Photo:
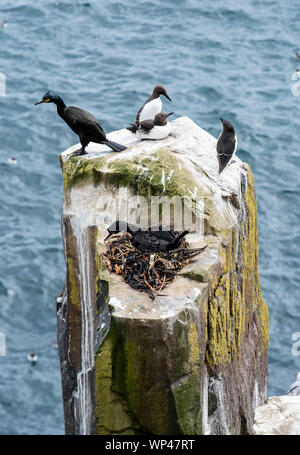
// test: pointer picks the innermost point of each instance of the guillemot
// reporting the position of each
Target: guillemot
(226, 145)
(295, 387)
(159, 128)
(32, 358)
(82, 123)
(155, 238)
(152, 105)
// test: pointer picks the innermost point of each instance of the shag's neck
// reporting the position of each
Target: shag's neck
(132, 229)
(60, 105)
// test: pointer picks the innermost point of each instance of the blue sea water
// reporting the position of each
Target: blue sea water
(222, 58)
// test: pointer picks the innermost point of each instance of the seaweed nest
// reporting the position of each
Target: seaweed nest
(148, 271)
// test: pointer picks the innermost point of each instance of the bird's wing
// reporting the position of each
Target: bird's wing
(133, 127)
(159, 240)
(160, 234)
(141, 108)
(147, 125)
(144, 240)
(79, 119)
(138, 114)
(295, 388)
(226, 146)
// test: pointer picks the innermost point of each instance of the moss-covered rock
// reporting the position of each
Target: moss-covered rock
(193, 361)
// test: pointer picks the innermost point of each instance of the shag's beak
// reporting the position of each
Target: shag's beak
(220, 118)
(106, 238)
(167, 96)
(43, 101)
(171, 113)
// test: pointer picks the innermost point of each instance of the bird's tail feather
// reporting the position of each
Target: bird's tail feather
(133, 127)
(178, 238)
(115, 146)
(221, 168)
(223, 161)
(183, 234)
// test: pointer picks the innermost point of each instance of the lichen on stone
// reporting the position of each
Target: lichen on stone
(74, 294)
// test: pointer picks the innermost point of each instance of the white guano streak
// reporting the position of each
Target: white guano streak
(87, 333)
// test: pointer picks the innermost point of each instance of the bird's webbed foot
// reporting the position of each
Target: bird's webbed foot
(79, 152)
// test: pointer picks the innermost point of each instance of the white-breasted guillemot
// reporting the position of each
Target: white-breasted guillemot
(152, 105)
(158, 128)
(295, 387)
(226, 145)
(32, 358)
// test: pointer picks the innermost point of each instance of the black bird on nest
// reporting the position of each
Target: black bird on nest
(82, 123)
(155, 238)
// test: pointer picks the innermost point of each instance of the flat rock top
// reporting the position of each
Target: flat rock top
(279, 416)
(190, 142)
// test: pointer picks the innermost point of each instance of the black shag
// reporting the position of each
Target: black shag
(154, 238)
(82, 123)
(226, 145)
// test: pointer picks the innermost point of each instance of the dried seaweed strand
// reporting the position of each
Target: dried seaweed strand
(146, 271)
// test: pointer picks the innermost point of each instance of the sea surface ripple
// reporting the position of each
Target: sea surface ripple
(216, 59)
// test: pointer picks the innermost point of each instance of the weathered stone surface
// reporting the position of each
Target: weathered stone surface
(193, 361)
(78, 323)
(279, 416)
